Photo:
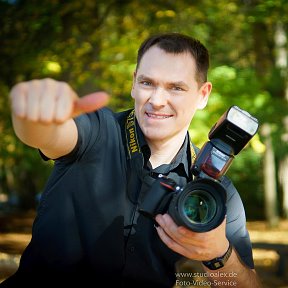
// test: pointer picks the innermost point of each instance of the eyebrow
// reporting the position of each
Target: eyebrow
(143, 77)
(177, 83)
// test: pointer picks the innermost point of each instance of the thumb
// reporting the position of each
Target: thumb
(90, 103)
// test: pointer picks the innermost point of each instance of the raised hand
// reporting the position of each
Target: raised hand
(51, 101)
(42, 112)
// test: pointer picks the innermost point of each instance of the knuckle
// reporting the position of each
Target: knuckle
(61, 116)
(66, 89)
(60, 120)
(49, 81)
(16, 89)
(64, 86)
(35, 82)
(170, 243)
(45, 119)
(32, 118)
(18, 112)
(18, 86)
(200, 253)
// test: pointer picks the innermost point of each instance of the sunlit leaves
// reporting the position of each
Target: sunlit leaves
(93, 45)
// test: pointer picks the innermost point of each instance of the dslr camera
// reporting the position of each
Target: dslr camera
(201, 204)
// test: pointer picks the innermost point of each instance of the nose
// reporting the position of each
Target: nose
(158, 97)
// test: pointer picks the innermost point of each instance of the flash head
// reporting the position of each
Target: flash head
(234, 128)
(243, 120)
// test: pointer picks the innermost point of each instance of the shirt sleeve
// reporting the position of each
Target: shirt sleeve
(88, 128)
(236, 229)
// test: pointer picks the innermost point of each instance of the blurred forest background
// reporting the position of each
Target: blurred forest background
(93, 44)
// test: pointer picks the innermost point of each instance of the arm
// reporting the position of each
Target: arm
(203, 247)
(42, 112)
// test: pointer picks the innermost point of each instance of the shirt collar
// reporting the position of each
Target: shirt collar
(181, 162)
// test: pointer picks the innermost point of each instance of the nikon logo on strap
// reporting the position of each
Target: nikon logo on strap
(131, 135)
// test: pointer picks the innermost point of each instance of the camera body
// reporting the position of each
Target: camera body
(201, 204)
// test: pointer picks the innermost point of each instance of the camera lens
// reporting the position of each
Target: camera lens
(199, 207)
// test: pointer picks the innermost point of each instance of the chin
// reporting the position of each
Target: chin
(155, 135)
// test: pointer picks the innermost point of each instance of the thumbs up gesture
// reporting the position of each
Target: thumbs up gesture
(42, 112)
(51, 101)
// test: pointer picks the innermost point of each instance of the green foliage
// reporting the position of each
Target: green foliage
(93, 45)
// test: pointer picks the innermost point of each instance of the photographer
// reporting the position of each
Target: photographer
(88, 227)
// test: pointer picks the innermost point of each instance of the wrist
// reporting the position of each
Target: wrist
(219, 262)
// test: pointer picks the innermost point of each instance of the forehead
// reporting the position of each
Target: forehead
(158, 63)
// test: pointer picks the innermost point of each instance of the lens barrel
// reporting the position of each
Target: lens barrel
(201, 206)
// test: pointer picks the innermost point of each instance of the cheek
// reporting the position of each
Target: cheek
(140, 97)
(186, 109)
(184, 106)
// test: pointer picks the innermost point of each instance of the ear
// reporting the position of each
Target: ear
(204, 93)
(132, 89)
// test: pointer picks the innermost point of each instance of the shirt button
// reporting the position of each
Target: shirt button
(132, 249)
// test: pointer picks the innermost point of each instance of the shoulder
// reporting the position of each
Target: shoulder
(230, 188)
(92, 122)
(234, 203)
(94, 129)
(122, 116)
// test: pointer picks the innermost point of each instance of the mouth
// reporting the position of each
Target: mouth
(158, 115)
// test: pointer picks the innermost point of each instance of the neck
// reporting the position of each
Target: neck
(163, 152)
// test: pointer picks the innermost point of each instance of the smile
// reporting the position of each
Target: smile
(158, 116)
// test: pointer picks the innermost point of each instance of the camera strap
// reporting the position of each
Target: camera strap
(193, 153)
(132, 143)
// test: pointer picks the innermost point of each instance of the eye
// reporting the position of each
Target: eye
(146, 83)
(177, 88)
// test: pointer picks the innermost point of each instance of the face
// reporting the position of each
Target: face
(166, 94)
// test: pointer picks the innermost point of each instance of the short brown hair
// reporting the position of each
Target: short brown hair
(177, 43)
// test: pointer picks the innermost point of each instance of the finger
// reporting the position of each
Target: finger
(90, 103)
(188, 236)
(170, 243)
(33, 100)
(64, 102)
(187, 250)
(169, 226)
(18, 96)
(179, 233)
(47, 101)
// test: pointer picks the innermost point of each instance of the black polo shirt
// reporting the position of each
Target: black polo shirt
(88, 227)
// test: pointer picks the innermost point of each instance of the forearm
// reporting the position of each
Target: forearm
(52, 139)
(233, 274)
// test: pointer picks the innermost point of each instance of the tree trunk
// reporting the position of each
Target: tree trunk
(283, 179)
(270, 190)
(281, 63)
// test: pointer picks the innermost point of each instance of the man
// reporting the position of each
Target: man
(88, 228)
